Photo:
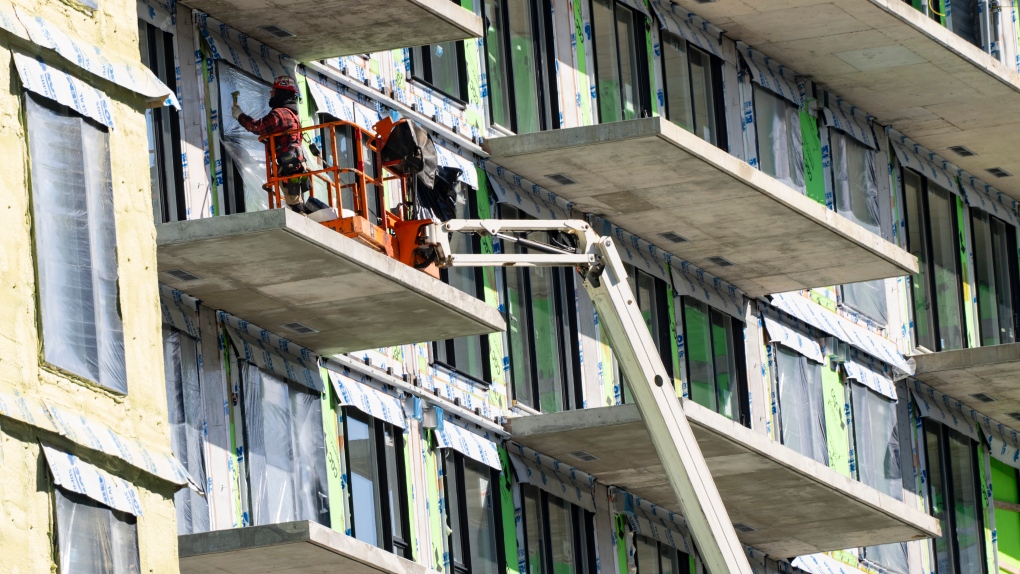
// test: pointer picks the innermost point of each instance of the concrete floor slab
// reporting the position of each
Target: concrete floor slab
(650, 176)
(992, 370)
(276, 267)
(795, 505)
(292, 547)
(889, 59)
(330, 28)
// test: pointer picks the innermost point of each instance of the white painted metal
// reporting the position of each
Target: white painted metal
(605, 280)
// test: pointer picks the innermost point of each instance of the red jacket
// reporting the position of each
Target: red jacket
(277, 121)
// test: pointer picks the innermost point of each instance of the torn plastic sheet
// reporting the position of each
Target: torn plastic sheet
(372, 402)
(246, 53)
(790, 336)
(688, 26)
(132, 75)
(560, 480)
(772, 75)
(653, 521)
(273, 353)
(156, 13)
(76, 475)
(244, 147)
(467, 443)
(922, 160)
(96, 436)
(179, 310)
(51, 83)
(852, 121)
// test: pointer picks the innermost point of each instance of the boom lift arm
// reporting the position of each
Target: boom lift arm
(605, 279)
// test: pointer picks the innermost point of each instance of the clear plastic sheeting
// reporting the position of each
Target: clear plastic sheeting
(53, 84)
(772, 75)
(566, 482)
(185, 410)
(285, 447)
(76, 475)
(467, 443)
(780, 148)
(801, 407)
(92, 539)
(855, 182)
(688, 26)
(652, 521)
(76, 246)
(871, 373)
(868, 299)
(273, 353)
(791, 338)
(877, 441)
(244, 147)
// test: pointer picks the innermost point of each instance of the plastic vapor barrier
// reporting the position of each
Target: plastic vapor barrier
(801, 414)
(244, 147)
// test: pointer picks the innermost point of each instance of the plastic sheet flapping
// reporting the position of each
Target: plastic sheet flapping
(780, 149)
(285, 450)
(244, 147)
(76, 246)
(93, 538)
(185, 410)
(801, 413)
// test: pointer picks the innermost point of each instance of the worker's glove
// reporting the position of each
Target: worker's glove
(236, 111)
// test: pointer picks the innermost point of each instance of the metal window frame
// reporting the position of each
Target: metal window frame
(458, 472)
(737, 350)
(161, 50)
(640, 22)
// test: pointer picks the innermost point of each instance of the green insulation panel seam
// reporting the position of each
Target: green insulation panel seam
(506, 499)
(836, 431)
(1007, 521)
(334, 480)
(583, 89)
(814, 173)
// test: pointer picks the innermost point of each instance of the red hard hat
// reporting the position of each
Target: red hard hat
(285, 83)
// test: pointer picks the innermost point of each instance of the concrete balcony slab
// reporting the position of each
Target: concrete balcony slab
(897, 65)
(289, 548)
(791, 504)
(651, 177)
(276, 267)
(328, 28)
(961, 374)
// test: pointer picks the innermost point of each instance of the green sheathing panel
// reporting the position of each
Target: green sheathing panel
(987, 517)
(582, 69)
(334, 480)
(963, 232)
(836, 433)
(814, 173)
(306, 104)
(621, 543)
(497, 390)
(825, 298)
(1007, 522)
(412, 507)
(433, 481)
(474, 77)
(506, 499)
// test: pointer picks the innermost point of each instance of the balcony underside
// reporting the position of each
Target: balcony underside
(796, 505)
(897, 65)
(330, 28)
(288, 548)
(993, 371)
(650, 176)
(277, 267)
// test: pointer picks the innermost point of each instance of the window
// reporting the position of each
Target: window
(995, 270)
(965, 19)
(931, 236)
(185, 410)
(856, 197)
(518, 72)
(472, 506)
(777, 126)
(653, 557)
(76, 244)
(285, 450)
(94, 539)
(541, 335)
(467, 355)
(714, 350)
(877, 451)
(442, 66)
(166, 171)
(376, 483)
(621, 61)
(692, 79)
(559, 538)
(954, 498)
(801, 408)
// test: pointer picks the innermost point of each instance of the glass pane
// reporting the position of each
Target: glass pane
(726, 375)
(394, 480)
(678, 81)
(519, 331)
(495, 62)
(364, 478)
(481, 517)
(668, 562)
(964, 17)
(607, 71)
(93, 539)
(1002, 239)
(630, 73)
(547, 336)
(801, 413)
(938, 499)
(446, 68)
(525, 70)
(917, 231)
(648, 303)
(453, 507)
(942, 205)
(467, 351)
(704, 95)
(646, 552)
(562, 536)
(700, 358)
(984, 269)
(533, 528)
(967, 504)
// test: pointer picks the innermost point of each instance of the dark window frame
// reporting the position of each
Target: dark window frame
(582, 525)
(641, 25)
(167, 118)
(1012, 273)
(683, 560)
(461, 504)
(718, 105)
(739, 355)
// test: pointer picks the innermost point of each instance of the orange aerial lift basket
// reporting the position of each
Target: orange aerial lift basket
(354, 178)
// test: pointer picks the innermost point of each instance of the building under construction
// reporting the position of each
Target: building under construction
(814, 200)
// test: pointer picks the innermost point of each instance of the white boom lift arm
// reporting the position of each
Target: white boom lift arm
(605, 279)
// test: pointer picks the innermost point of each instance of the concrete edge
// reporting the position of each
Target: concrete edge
(453, 14)
(810, 468)
(234, 539)
(960, 359)
(580, 136)
(363, 552)
(784, 195)
(572, 420)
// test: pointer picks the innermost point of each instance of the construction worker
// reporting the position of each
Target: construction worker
(283, 117)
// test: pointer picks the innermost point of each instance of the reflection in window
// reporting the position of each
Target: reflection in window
(472, 506)
(520, 93)
(715, 362)
(995, 270)
(569, 546)
(954, 498)
(653, 557)
(690, 76)
(621, 68)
